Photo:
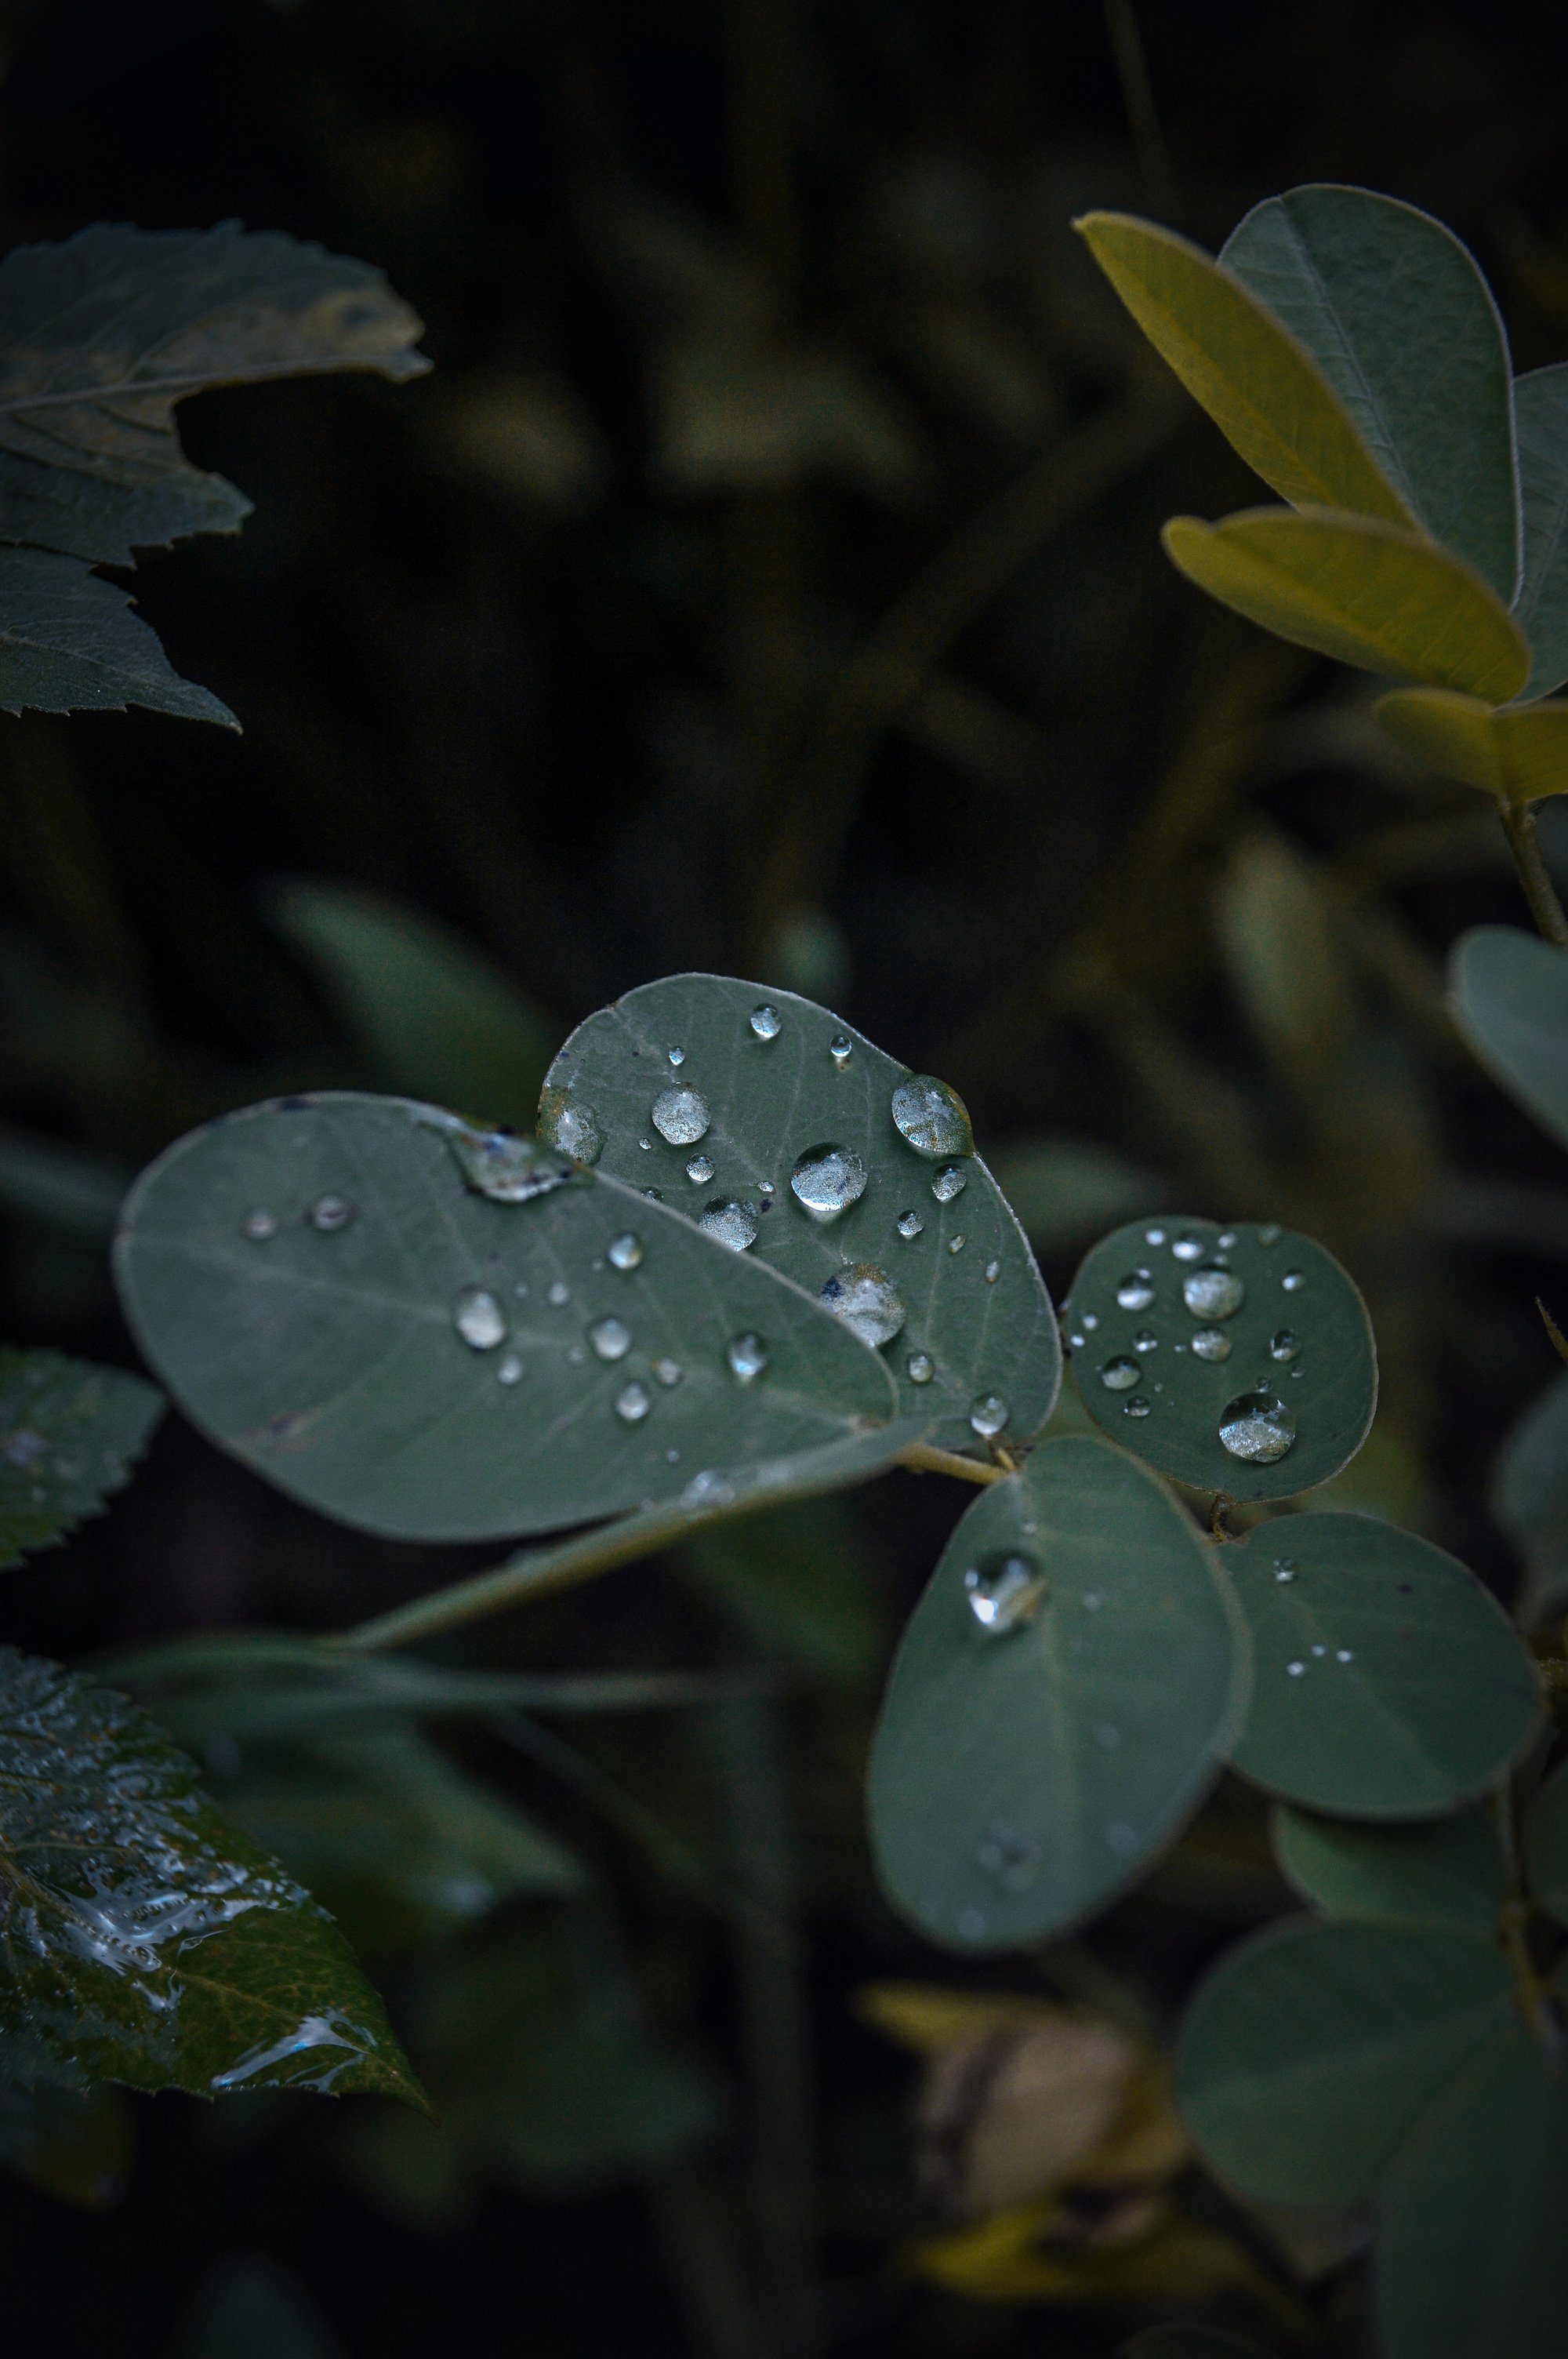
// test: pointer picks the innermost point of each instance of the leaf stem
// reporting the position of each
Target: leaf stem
(1518, 826)
(924, 1458)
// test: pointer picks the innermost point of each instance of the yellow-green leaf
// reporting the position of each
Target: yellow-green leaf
(1368, 592)
(1517, 755)
(1257, 382)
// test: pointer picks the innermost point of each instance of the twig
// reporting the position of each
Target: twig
(1518, 826)
(924, 1458)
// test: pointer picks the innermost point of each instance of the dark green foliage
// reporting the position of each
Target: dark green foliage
(1510, 996)
(1448, 1871)
(69, 1437)
(70, 643)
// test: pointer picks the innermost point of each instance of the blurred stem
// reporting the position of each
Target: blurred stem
(695, 2232)
(1138, 97)
(1518, 826)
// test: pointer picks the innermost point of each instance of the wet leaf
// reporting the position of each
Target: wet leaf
(1509, 992)
(69, 1434)
(70, 643)
(1541, 428)
(1311, 2052)
(1290, 1370)
(73, 2143)
(1546, 1848)
(1387, 1681)
(768, 1097)
(1033, 1756)
(327, 1351)
(1444, 1871)
(1518, 754)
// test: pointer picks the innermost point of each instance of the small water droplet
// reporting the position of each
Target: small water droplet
(477, 1316)
(1345, 1654)
(956, 1245)
(987, 1415)
(1136, 1407)
(1136, 1291)
(922, 1367)
(1010, 1857)
(747, 1356)
(1187, 1247)
(1090, 1322)
(993, 1271)
(950, 1181)
(1283, 1345)
(1295, 1669)
(330, 1213)
(1154, 1237)
(1227, 1240)
(699, 1170)
(1293, 1281)
(766, 1188)
(909, 1224)
(1270, 1233)
(667, 1372)
(632, 1403)
(680, 1115)
(827, 1179)
(840, 1048)
(1319, 1648)
(1257, 1427)
(1006, 1589)
(657, 1194)
(1285, 1568)
(1107, 1736)
(1119, 1376)
(647, 1145)
(626, 1251)
(931, 1117)
(732, 1221)
(1210, 1343)
(709, 1489)
(569, 1126)
(610, 1339)
(1146, 1339)
(676, 1056)
(510, 1370)
(865, 1299)
(1212, 1292)
(764, 1022)
(559, 1292)
(259, 1224)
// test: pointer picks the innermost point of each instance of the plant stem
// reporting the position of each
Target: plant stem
(1518, 826)
(924, 1458)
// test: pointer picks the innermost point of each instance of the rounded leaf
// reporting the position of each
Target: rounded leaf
(1516, 755)
(1056, 1711)
(1181, 1330)
(1509, 992)
(1443, 1872)
(1546, 1853)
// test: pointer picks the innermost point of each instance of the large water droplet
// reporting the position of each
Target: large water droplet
(733, 1223)
(909, 1224)
(330, 1213)
(764, 1022)
(922, 1367)
(828, 1179)
(866, 1299)
(626, 1251)
(840, 1048)
(949, 1182)
(477, 1316)
(1211, 1344)
(1284, 1345)
(680, 1115)
(669, 1372)
(987, 1415)
(259, 1224)
(932, 1118)
(1010, 1857)
(570, 1126)
(610, 1339)
(747, 1356)
(1006, 1589)
(632, 1403)
(1119, 1376)
(1257, 1427)
(507, 1169)
(1212, 1292)
(1136, 1291)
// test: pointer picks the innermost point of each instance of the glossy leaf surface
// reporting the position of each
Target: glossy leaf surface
(1026, 1769)
(1509, 992)
(1516, 755)
(71, 643)
(1540, 414)
(327, 1351)
(1388, 1682)
(69, 1433)
(1546, 1854)
(976, 1320)
(1442, 1871)
(1277, 1316)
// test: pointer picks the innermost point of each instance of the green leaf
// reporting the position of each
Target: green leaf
(1398, 317)
(1529, 1499)
(1256, 381)
(1290, 1370)
(70, 643)
(977, 1321)
(1541, 428)
(795, 1579)
(73, 2143)
(1312, 2051)
(1546, 1847)
(433, 1015)
(1066, 1190)
(144, 1941)
(1388, 1682)
(1027, 1769)
(1291, 977)
(104, 332)
(1445, 1872)
(326, 1352)
(1509, 993)
(69, 1434)
(1518, 754)
(1469, 2257)
(1368, 593)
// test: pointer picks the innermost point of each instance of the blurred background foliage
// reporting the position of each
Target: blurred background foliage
(766, 579)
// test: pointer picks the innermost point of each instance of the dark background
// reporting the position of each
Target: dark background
(756, 583)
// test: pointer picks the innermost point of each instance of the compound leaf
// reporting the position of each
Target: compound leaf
(1546, 1853)
(1509, 995)
(1388, 1682)
(1311, 2052)
(1445, 1871)
(1516, 755)
(975, 1351)
(346, 1293)
(1540, 414)
(69, 1434)
(70, 643)
(1182, 1333)
(1058, 1705)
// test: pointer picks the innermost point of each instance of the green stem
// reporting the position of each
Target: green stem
(1518, 826)
(924, 1458)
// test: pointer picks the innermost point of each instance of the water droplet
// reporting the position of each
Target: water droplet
(676, 1056)
(909, 1224)
(956, 1245)
(1146, 1339)
(1006, 1589)
(1119, 1376)
(1107, 1736)
(747, 1356)
(569, 1126)
(667, 1372)
(1285, 1568)
(1187, 1247)
(1154, 1237)
(1345, 1654)
(1075, 1341)
(626, 1251)
(1090, 1322)
(865, 1299)
(259, 1224)
(949, 1182)
(1257, 1427)
(1011, 1858)
(510, 1370)
(932, 1118)
(1320, 1648)
(1212, 1292)
(476, 1314)
(632, 1404)
(330, 1213)
(1136, 1291)
(1270, 1233)
(647, 1145)
(993, 1271)
(699, 1170)
(922, 1367)
(1293, 1281)
(1122, 1837)
(840, 1048)
(764, 1022)
(987, 1415)
(507, 1169)
(1295, 1669)
(680, 1115)
(610, 1339)
(1210, 1343)
(709, 1489)
(766, 1188)
(656, 1194)
(827, 1179)
(1283, 1345)
(559, 1292)
(733, 1223)
(1227, 1240)
(1136, 1407)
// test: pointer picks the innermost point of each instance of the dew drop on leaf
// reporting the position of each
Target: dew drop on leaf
(747, 1356)
(993, 1271)
(921, 1367)
(932, 1118)
(508, 1170)
(632, 1403)
(626, 1251)
(476, 1314)
(949, 1182)
(559, 1292)
(667, 1372)
(840, 1048)
(676, 1056)
(764, 1022)
(1257, 1427)
(1119, 1376)
(1212, 1292)
(1293, 1281)
(1136, 1291)
(1136, 1407)
(1146, 1339)
(699, 1170)
(510, 1370)
(680, 1115)
(570, 1126)
(956, 1245)
(259, 1224)
(1283, 1345)
(330, 1213)
(1211, 1344)
(1285, 1568)
(610, 1339)
(1270, 1233)
(987, 1415)
(1010, 1857)
(909, 1224)
(1006, 1589)
(1188, 1248)
(732, 1221)
(828, 1179)
(865, 1299)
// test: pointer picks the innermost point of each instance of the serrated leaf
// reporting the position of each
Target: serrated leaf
(104, 332)
(1509, 995)
(1388, 1682)
(1256, 381)
(1546, 1845)
(70, 643)
(144, 1941)
(1516, 755)
(1541, 427)
(1288, 1334)
(326, 1353)
(1447, 1871)
(73, 2143)
(1529, 1499)
(69, 1434)
(1396, 314)
(1027, 1769)
(1366, 591)
(770, 1099)
(1313, 2052)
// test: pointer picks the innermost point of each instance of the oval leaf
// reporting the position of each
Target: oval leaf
(1027, 1770)
(1518, 754)
(1371, 593)
(1257, 382)
(69, 1434)
(329, 1356)
(1448, 1871)
(977, 1324)
(1388, 1682)
(1396, 314)
(1547, 1850)
(1297, 1345)
(1540, 414)
(1509, 993)
(1312, 2051)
